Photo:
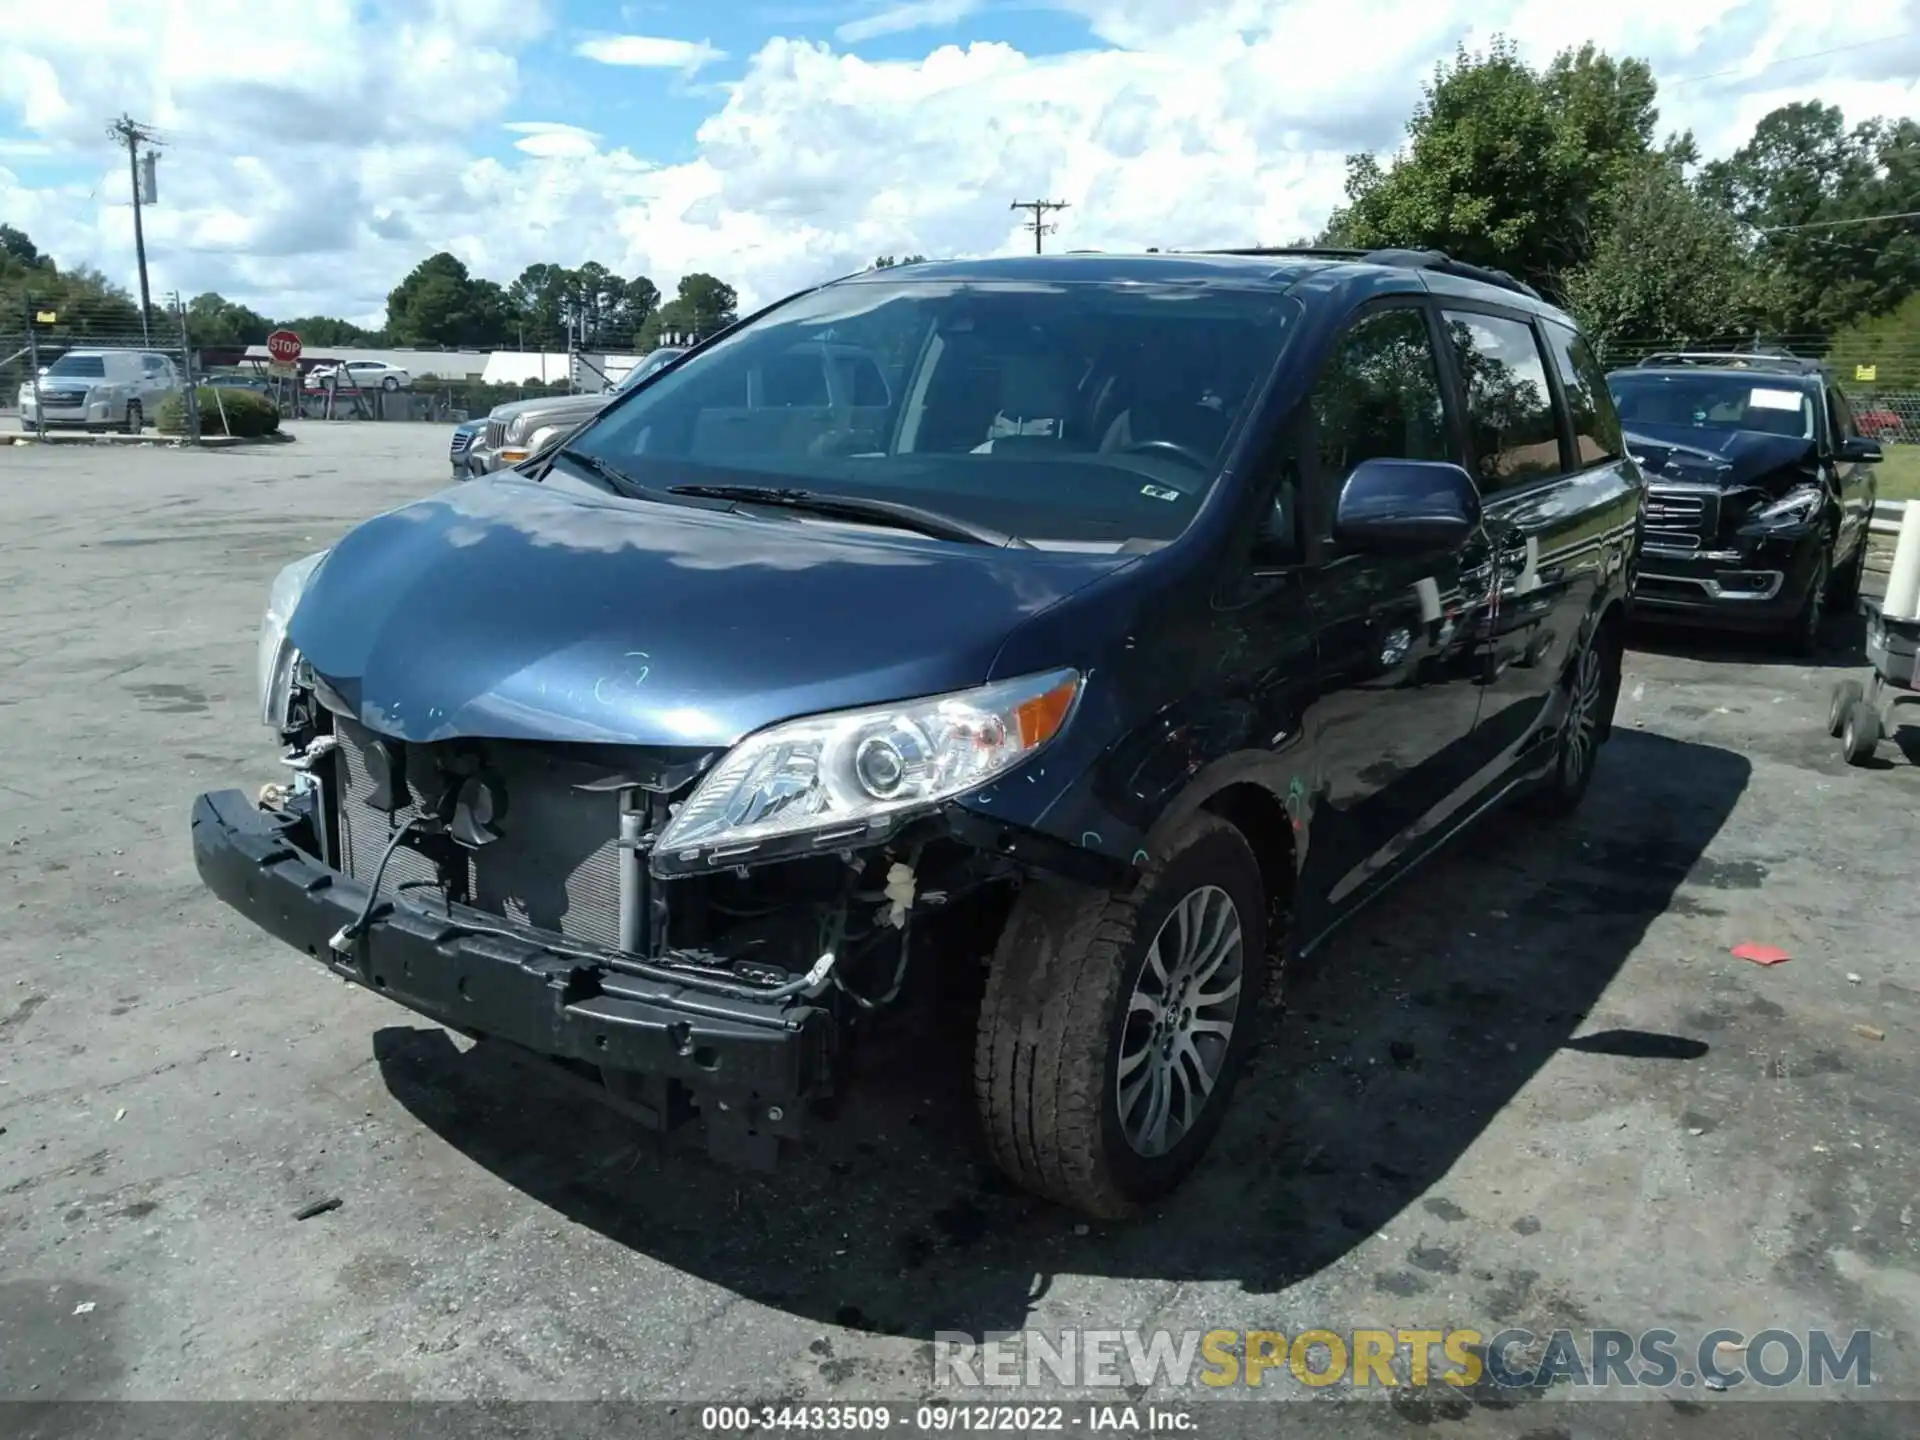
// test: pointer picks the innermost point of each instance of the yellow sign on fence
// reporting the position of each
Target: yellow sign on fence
(1866, 372)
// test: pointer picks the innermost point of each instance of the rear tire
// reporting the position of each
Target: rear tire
(390, 384)
(1592, 688)
(136, 418)
(1106, 1010)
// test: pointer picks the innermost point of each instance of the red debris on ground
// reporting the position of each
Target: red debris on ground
(1760, 954)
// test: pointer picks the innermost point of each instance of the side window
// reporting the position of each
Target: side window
(1509, 403)
(1596, 424)
(1844, 426)
(1379, 397)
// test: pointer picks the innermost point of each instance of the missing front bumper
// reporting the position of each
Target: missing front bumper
(738, 1057)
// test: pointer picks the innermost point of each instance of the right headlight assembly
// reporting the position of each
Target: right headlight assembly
(277, 654)
(831, 778)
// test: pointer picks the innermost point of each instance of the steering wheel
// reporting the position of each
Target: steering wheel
(1170, 448)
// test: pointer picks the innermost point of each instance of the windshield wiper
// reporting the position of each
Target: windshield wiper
(616, 479)
(856, 507)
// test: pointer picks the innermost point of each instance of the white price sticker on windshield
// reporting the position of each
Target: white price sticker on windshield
(1762, 399)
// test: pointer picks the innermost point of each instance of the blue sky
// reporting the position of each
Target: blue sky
(319, 149)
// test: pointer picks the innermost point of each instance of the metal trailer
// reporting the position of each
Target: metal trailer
(1859, 715)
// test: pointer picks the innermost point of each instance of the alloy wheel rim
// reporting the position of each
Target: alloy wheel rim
(1578, 729)
(1179, 1022)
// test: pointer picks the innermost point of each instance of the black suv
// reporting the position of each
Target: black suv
(1760, 490)
(1129, 621)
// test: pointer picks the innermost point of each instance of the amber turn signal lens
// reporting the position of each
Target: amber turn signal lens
(1040, 718)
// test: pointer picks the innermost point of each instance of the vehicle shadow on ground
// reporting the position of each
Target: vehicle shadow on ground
(1843, 644)
(1402, 1041)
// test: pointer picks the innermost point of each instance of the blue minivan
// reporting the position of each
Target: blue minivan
(1128, 621)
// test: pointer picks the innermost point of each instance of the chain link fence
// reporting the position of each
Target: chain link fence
(56, 370)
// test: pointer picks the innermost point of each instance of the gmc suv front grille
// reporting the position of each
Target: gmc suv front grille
(1681, 519)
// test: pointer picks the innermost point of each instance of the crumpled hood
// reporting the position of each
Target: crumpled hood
(1728, 458)
(525, 610)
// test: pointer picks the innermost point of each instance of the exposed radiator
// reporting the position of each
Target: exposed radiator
(555, 865)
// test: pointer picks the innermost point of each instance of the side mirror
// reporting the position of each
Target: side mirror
(1858, 450)
(1406, 505)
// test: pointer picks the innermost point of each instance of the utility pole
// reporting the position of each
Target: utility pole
(1038, 224)
(133, 134)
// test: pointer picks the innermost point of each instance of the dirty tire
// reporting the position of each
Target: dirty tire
(136, 419)
(1846, 695)
(1051, 1023)
(1592, 685)
(1861, 734)
(1803, 631)
(1843, 591)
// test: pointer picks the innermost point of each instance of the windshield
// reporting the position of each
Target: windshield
(1737, 400)
(645, 368)
(79, 367)
(1076, 413)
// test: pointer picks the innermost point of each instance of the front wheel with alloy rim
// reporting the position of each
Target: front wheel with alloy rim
(136, 420)
(1803, 631)
(1115, 1023)
(1844, 589)
(1591, 688)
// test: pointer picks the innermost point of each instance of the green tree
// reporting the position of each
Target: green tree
(324, 332)
(213, 320)
(1803, 184)
(440, 304)
(701, 306)
(15, 246)
(1886, 342)
(85, 304)
(1508, 167)
(887, 262)
(536, 302)
(1669, 268)
(639, 299)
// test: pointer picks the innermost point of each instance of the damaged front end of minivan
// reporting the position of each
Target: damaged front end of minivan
(554, 845)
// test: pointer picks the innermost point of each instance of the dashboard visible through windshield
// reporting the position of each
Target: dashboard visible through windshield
(1722, 401)
(1075, 413)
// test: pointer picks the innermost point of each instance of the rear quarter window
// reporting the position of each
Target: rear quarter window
(1510, 414)
(1596, 423)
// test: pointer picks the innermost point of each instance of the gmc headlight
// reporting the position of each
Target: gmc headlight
(1798, 505)
(277, 654)
(833, 776)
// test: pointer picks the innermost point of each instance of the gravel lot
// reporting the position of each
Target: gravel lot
(1532, 1088)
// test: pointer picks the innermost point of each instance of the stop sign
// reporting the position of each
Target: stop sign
(284, 346)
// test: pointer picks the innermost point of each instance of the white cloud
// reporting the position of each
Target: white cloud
(550, 140)
(914, 15)
(649, 52)
(316, 155)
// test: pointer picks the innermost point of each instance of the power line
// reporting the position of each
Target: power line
(1038, 224)
(1774, 64)
(1829, 224)
(134, 135)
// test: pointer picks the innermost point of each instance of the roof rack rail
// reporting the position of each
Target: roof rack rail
(1436, 260)
(1777, 362)
(1445, 264)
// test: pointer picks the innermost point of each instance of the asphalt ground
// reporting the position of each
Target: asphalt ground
(1532, 1088)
